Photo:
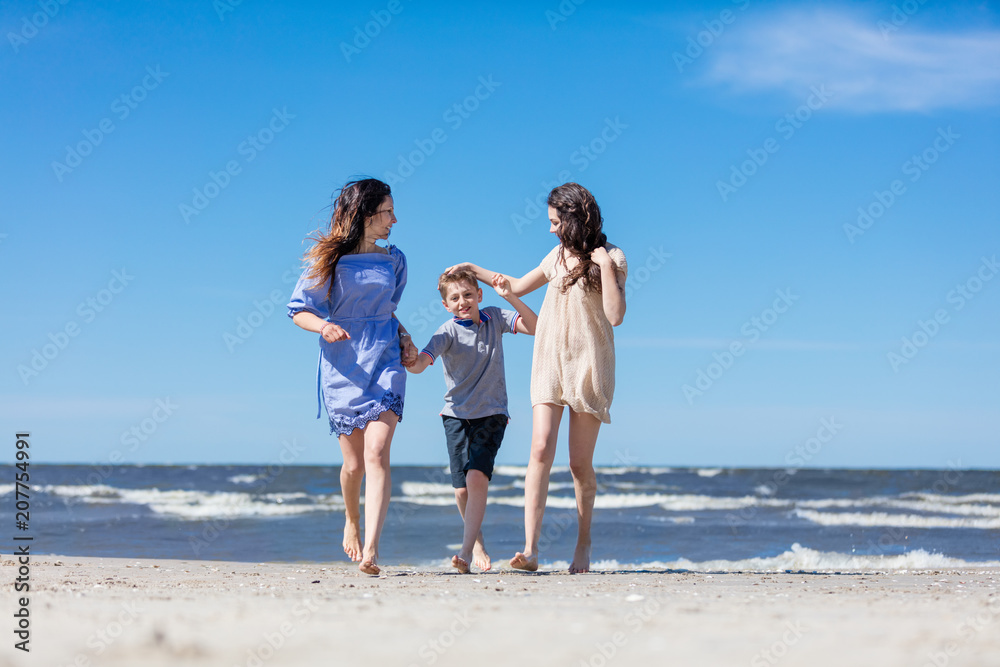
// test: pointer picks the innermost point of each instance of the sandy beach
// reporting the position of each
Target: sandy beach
(114, 611)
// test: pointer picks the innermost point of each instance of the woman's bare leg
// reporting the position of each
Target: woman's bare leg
(378, 488)
(544, 429)
(351, 475)
(583, 429)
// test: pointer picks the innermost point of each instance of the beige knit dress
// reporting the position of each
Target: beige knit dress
(574, 358)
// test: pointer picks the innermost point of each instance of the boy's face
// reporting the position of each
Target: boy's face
(462, 300)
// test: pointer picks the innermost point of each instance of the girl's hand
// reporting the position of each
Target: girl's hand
(464, 266)
(407, 351)
(501, 285)
(601, 257)
(333, 333)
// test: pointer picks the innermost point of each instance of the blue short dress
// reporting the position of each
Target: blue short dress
(360, 378)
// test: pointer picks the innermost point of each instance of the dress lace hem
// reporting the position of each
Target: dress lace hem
(345, 425)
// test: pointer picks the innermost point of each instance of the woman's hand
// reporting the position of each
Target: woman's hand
(407, 351)
(333, 333)
(501, 285)
(464, 266)
(601, 257)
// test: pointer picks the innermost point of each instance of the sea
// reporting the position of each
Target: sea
(645, 518)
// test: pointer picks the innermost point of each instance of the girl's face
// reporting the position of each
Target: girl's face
(379, 225)
(553, 220)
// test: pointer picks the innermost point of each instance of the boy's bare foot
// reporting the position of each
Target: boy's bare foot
(460, 564)
(523, 562)
(480, 557)
(581, 560)
(352, 540)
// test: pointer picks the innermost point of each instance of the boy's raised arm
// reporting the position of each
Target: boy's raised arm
(420, 365)
(525, 323)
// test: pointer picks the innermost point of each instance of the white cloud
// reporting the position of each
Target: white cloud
(865, 68)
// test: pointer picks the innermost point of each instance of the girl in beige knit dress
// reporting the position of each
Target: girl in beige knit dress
(574, 357)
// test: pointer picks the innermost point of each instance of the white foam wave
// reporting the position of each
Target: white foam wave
(244, 479)
(6, 488)
(427, 489)
(894, 520)
(800, 558)
(990, 498)
(708, 472)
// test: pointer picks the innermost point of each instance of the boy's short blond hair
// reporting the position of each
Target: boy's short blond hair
(455, 277)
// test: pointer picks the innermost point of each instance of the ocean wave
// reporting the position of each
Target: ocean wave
(244, 479)
(894, 520)
(798, 558)
(708, 472)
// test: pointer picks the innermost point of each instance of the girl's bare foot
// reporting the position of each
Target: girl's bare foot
(521, 561)
(581, 560)
(369, 566)
(480, 557)
(352, 540)
(460, 564)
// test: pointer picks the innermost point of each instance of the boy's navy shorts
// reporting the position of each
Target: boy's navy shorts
(473, 445)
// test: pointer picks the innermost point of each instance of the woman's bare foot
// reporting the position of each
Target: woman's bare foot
(460, 564)
(521, 561)
(480, 557)
(369, 566)
(581, 560)
(352, 540)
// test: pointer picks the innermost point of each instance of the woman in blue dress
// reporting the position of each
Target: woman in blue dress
(348, 294)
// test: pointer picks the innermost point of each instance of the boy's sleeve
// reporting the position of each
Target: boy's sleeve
(437, 345)
(509, 318)
(307, 295)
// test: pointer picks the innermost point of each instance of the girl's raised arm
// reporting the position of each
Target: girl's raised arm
(612, 287)
(529, 282)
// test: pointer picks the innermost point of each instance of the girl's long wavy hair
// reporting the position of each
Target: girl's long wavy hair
(356, 201)
(580, 232)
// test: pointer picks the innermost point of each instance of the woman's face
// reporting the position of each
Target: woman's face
(379, 225)
(553, 220)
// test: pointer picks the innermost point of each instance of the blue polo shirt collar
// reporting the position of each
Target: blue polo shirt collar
(483, 317)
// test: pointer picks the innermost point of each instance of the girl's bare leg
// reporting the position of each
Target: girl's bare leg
(378, 488)
(583, 429)
(351, 475)
(544, 429)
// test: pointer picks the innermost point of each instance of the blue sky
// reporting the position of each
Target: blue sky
(798, 189)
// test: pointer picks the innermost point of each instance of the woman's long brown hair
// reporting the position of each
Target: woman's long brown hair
(580, 232)
(357, 201)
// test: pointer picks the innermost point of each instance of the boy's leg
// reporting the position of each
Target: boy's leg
(479, 555)
(583, 429)
(544, 429)
(484, 436)
(475, 510)
(352, 472)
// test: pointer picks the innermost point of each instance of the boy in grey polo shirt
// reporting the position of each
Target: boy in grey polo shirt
(475, 411)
